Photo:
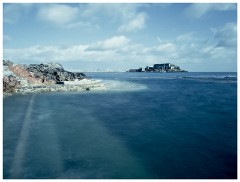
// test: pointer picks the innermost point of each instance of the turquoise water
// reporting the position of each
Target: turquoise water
(146, 126)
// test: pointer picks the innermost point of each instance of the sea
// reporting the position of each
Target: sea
(143, 126)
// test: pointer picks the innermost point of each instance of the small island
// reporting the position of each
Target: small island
(163, 68)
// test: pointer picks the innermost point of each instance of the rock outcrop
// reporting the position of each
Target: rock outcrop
(50, 77)
(53, 71)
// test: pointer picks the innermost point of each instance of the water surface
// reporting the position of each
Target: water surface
(146, 126)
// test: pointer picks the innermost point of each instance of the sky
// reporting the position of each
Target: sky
(119, 37)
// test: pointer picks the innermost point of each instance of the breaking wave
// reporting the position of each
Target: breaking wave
(116, 85)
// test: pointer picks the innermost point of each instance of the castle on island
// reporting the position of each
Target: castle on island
(164, 67)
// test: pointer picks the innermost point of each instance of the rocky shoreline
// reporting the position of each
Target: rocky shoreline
(49, 77)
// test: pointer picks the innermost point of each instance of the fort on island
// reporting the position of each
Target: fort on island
(164, 67)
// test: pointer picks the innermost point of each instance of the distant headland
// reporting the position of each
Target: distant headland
(163, 68)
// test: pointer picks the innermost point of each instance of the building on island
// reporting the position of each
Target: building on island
(164, 67)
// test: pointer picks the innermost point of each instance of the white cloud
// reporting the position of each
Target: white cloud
(132, 19)
(136, 23)
(198, 10)
(185, 37)
(111, 43)
(166, 48)
(227, 35)
(58, 14)
(115, 42)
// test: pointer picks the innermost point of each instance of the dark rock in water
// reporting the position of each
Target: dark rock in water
(61, 83)
(87, 89)
(54, 71)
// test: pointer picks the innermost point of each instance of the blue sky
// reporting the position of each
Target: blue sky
(90, 37)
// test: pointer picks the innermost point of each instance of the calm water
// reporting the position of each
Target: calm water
(147, 125)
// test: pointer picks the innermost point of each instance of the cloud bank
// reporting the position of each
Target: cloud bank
(186, 49)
